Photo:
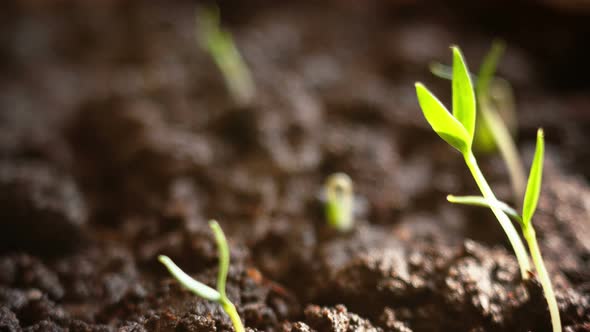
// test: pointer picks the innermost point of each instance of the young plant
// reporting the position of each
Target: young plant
(220, 45)
(339, 202)
(529, 207)
(494, 96)
(457, 129)
(203, 290)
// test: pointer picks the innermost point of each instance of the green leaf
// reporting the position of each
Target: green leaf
(441, 121)
(488, 69)
(463, 94)
(483, 202)
(533, 188)
(191, 284)
(223, 256)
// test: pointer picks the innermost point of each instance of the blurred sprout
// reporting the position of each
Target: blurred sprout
(220, 45)
(339, 202)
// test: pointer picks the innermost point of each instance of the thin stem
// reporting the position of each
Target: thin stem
(506, 146)
(223, 252)
(509, 229)
(543, 275)
(231, 311)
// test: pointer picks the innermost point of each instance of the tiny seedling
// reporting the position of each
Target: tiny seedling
(493, 96)
(529, 207)
(220, 45)
(457, 129)
(203, 290)
(339, 202)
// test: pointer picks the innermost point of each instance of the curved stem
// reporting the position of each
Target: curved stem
(231, 311)
(543, 275)
(509, 229)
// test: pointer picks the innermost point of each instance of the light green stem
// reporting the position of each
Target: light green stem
(509, 229)
(231, 311)
(543, 275)
(507, 148)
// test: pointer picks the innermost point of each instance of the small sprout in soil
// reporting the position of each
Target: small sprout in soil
(529, 204)
(497, 123)
(220, 44)
(203, 290)
(339, 202)
(457, 129)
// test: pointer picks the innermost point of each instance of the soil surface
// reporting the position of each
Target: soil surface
(118, 141)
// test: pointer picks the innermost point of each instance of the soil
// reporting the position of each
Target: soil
(118, 141)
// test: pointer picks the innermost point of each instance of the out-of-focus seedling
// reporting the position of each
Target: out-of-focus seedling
(457, 129)
(529, 204)
(203, 290)
(496, 107)
(339, 202)
(220, 45)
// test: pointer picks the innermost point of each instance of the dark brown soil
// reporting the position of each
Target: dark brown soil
(118, 141)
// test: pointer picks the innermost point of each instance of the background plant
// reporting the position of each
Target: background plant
(339, 208)
(220, 45)
(203, 290)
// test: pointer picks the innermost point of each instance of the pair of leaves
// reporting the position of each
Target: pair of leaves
(198, 287)
(531, 197)
(458, 128)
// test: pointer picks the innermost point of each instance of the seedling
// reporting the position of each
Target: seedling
(494, 95)
(457, 129)
(220, 45)
(339, 202)
(531, 198)
(203, 290)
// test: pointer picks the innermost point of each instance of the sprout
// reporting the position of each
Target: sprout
(493, 96)
(219, 43)
(531, 198)
(203, 290)
(339, 202)
(457, 129)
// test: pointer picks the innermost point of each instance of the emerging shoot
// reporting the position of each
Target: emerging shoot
(531, 198)
(457, 129)
(220, 45)
(339, 202)
(203, 290)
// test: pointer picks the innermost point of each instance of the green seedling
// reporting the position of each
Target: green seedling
(457, 129)
(529, 207)
(220, 45)
(339, 202)
(203, 290)
(494, 95)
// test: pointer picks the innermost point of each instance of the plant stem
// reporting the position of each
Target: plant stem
(543, 275)
(509, 229)
(231, 311)
(507, 148)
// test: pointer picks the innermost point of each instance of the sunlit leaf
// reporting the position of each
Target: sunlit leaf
(443, 122)
(463, 94)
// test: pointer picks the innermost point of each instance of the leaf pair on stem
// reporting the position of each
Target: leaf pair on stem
(458, 130)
